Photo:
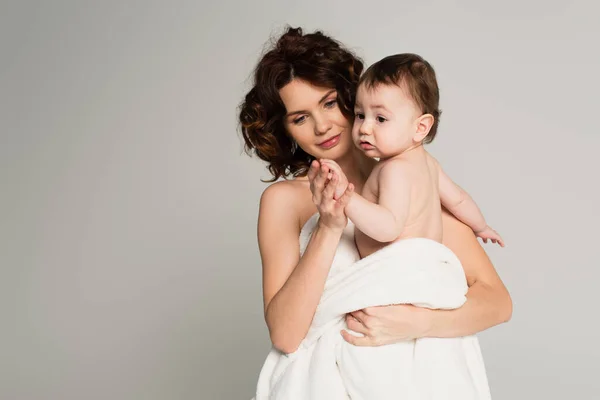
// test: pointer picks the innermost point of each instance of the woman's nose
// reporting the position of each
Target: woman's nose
(322, 125)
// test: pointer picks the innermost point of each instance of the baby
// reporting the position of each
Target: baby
(396, 112)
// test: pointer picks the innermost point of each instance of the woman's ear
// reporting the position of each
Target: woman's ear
(424, 124)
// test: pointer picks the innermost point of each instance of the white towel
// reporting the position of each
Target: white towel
(415, 271)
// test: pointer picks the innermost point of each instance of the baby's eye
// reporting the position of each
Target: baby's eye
(359, 115)
(330, 103)
(299, 120)
(381, 119)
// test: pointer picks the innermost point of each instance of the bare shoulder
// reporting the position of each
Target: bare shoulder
(394, 167)
(283, 201)
(279, 191)
(285, 192)
(432, 160)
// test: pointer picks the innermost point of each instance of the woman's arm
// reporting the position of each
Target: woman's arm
(488, 302)
(292, 285)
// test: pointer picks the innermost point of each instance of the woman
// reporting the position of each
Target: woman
(300, 109)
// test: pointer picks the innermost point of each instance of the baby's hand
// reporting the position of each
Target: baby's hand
(342, 181)
(489, 233)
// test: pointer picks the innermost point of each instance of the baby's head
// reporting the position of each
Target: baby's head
(396, 106)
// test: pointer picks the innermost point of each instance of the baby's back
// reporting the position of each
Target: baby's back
(425, 212)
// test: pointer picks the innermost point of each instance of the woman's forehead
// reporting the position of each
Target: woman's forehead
(302, 94)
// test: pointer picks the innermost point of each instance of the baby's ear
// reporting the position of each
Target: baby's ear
(424, 124)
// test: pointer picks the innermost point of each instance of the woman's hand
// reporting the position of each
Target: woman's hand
(387, 324)
(336, 170)
(331, 211)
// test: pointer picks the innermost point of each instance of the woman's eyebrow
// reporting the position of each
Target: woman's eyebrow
(326, 96)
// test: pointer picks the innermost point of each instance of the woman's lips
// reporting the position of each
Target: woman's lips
(329, 143)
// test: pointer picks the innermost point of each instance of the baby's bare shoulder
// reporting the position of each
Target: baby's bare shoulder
(431, 160)
(396, 166)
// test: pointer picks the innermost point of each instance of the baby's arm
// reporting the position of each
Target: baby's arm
(460, 203)
(385, 221)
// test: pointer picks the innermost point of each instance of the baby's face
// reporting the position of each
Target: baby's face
(385, 120)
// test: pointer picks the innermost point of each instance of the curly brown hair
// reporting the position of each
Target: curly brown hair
(419, 78)
(314, 58)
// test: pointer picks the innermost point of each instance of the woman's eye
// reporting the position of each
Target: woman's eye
(359, 115)
(381, 119)
(330, 103)
(299, 120)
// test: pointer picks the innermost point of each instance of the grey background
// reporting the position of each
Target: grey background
(129, 267)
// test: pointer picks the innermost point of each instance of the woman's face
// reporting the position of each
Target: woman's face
(315, 121)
